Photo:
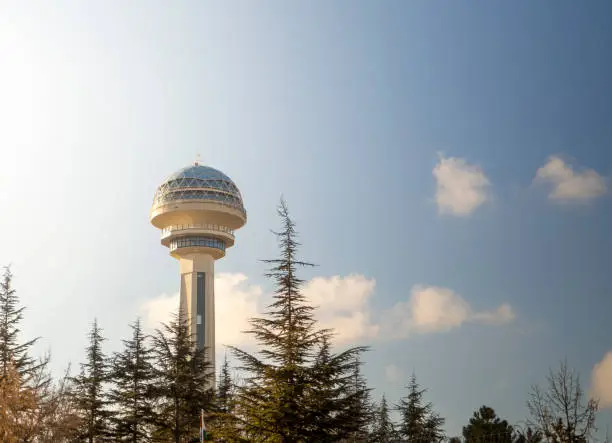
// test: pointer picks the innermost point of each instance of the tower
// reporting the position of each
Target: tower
(197, 209)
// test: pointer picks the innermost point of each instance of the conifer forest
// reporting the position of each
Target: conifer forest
(297, 386)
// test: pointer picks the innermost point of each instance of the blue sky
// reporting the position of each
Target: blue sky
(347, 109)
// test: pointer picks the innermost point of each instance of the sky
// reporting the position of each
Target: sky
(447, 164)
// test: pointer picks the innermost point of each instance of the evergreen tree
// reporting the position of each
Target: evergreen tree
(335, 396)
(88, 389)
(183, 382)
(293, 390)
(226, 424)
(323, 394)
(225, 390)
(485, 424)
(419, 421)
(132, 377)
(383, 429)
(13, 353)
(360, 406)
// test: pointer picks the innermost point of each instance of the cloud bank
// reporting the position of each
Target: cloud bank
(343, 304)
(569, 185)
(460, 187)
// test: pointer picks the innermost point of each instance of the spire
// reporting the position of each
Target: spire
(197, 161)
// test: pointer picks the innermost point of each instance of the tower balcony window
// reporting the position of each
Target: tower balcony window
(195, 241)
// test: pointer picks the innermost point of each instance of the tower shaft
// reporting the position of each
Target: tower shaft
(197, 303)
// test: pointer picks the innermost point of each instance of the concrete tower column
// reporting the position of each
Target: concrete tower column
(198, 300)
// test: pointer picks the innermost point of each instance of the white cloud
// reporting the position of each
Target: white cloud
(343, 305)
(434, 309)
(460, 187)
(502, 315)
(236, 301)
(569, 185)
(601, 381)
(159, 310)
(393, 373)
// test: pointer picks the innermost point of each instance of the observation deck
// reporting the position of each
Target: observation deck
(197, 209)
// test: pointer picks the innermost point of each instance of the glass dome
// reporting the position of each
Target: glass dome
(198, 182)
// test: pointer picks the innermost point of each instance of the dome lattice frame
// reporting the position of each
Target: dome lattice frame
(198, 182)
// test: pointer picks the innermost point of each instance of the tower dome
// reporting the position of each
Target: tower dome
(199, 182)
(198, 194)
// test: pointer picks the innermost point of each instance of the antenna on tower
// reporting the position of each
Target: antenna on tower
(197, 161)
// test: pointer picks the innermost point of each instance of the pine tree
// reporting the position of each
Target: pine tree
(360, 407)
(88, 391)
(293, 390)
(383, 429)
(13, 353)
(183, 382)
(225, 389)
(226, 424)
(334, 396)
(419, 421)
(433, 428)
(486, 424)
(131, 394)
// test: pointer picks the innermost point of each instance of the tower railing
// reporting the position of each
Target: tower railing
(185, 227)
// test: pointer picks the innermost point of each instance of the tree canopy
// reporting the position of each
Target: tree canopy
(560, 411)
(486, 424)
(296, 388)
(419, 421)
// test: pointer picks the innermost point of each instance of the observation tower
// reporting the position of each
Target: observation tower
(197, 209)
